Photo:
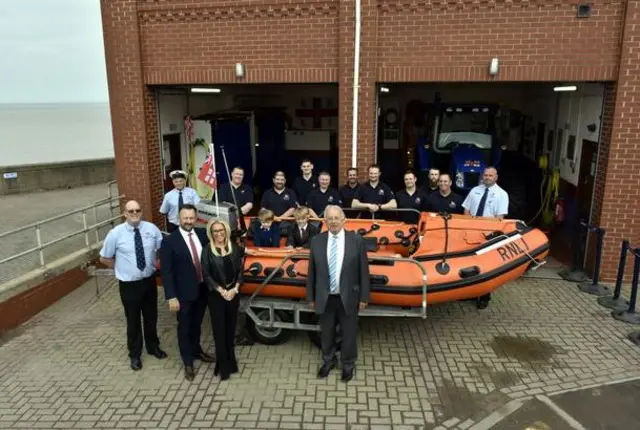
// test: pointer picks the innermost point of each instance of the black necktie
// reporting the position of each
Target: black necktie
(483, 201)
(180, 201)
(140, 261)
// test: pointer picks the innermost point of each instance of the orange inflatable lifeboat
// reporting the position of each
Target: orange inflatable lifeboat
(458, 256)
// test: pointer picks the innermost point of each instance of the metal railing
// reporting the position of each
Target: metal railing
(91, 231)
(297, 308)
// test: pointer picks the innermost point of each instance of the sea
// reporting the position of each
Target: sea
(50, 133)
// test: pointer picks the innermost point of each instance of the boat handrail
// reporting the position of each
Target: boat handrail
(300, 256)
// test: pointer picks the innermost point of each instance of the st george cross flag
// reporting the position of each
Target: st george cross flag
(208, 170)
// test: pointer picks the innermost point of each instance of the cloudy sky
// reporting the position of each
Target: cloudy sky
(51, 51)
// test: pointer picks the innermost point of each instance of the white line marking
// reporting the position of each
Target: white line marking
(573, 423)
(498, 415)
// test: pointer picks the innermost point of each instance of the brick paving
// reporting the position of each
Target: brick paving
(22, 209)
(67, 368)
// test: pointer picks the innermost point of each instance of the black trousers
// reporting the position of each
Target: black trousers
(335, 314)
(224, 317)
(140, 299)
(190, 318)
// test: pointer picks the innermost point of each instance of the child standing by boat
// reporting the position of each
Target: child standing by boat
(265, 232)
(300, 236)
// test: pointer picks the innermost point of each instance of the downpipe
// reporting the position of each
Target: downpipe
(356, 87)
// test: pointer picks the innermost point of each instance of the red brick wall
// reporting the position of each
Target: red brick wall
(277, 41)
(535, 40)
(165, 42)
(619, 199)
(22, 307)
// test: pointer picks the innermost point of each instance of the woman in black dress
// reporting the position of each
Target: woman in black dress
(222, 267)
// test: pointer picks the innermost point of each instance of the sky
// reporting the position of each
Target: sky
(51, 52)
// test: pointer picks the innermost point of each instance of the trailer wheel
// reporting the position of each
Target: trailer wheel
(314, 336)
(267, 335)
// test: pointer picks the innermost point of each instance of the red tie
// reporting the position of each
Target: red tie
(196, 260)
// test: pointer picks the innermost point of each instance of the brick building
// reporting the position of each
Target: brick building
(152, 45)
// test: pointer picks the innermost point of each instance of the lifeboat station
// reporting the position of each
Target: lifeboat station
(513, 311)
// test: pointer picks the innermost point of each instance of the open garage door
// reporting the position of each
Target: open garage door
(535, 134)
(263, 128)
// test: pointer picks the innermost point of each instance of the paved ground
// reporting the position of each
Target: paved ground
(23, 209)
(67, 368)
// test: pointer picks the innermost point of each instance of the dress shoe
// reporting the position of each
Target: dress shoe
(189, 373)
(136, 363)
(325, 369)
(158, 353)
(347, 374)
(204, 357)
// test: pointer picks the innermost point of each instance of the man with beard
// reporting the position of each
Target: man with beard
(281, 201)
(184, 286)
(348, 190)
(444, 200)
(177, 197)
(242, 192)
(432, 183)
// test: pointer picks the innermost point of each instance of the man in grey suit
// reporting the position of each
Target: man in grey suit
(337, 289)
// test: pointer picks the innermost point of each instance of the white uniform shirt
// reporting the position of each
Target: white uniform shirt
(497, 203)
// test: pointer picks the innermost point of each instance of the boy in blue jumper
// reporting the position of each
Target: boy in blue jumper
(265, 232)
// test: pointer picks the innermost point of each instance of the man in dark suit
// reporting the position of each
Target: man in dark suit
(184, 286)
(337, 289)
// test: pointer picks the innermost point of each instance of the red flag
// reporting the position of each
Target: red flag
(208, 172)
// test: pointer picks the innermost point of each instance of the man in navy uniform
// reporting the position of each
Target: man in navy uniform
(130, 249)
(323, 195)
(444, 200)
(374, 195)
(177, 197)
(242, 192)
(184, 287)
(348, 190)
(303, 185)
(281, 201)
(410, 198)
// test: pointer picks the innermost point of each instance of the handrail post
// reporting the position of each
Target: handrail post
(39, 242)
(84, 227)
(95, 214)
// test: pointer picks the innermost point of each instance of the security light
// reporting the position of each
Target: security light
(567, 88)
(205, 90)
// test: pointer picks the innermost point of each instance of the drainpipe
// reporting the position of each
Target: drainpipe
(356, 79)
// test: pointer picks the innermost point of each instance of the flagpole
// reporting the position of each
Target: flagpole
(215, 190)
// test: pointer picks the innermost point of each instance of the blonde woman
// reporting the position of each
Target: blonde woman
(222, 267)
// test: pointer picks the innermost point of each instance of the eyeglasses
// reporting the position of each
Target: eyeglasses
(134, 211)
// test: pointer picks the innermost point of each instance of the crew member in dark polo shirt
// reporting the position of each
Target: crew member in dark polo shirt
(431, 185)
(374, 195)
(348, 190)
(243, 192)
(280, 200)
(320, 197)
(302, 185)
(410, 198)
(444, 200)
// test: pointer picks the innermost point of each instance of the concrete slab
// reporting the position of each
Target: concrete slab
(67, 367)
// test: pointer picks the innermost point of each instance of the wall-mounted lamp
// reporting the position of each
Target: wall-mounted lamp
(384, 89)
(239, 70)
(494, 67)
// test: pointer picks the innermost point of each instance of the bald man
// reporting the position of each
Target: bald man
(337, 289)
(487, 199)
